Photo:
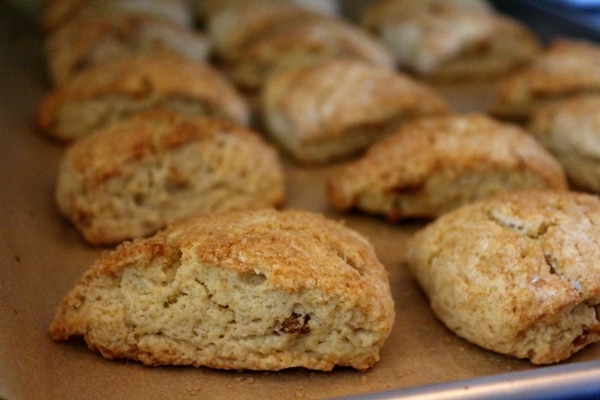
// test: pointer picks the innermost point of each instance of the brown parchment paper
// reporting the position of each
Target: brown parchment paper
(41, 257)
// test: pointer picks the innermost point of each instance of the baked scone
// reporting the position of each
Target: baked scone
(135, 176)
(570, 129)
(451, 40)
(93, 39)
(432, 165)
(113, 90)
(567, 67)
(57, 12)
(302, 42)
(334, 109)
(257, 290)
(517, 274)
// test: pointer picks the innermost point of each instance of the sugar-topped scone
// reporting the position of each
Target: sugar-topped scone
(113, 90)
(517, 274)
(137, 175)
(567, 67)
(258, 290)
(450, 40)
(57, 12)
(433, 165)
(570, 129)
(93, 39)
(302, 42)
(334, 109)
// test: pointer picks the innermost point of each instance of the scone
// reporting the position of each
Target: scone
(57, 12)
(257, 290)
(517, 274)
(137, 175)
(568, 67)
(93, 39)
(113, 90)
(334, 109)
(302, 42)
(433, 165)
(570, 129)
(451, 40)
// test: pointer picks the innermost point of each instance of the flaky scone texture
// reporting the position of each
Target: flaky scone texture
(567, 67)
(570, 129)
(259, 290)
(517, 274)
(113, 90)
(336, 108)
(432, 165)
(94, 39)
(137, 175)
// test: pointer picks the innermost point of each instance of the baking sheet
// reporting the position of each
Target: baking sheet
(42, 256)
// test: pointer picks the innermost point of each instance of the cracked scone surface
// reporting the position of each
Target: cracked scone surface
(517, 274)
(261, 290)
(166, 166)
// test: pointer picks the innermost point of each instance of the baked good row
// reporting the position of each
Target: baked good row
(175, 138)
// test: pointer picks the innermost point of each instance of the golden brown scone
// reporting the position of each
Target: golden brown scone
(258, 290)
(303, 42)
(113, 90)
(567, 67)
(137, 175)
(517, 274)
(93, 39)
(451, 40)
(570, 129)
(433, 165)
(57, 12)
(334, 109)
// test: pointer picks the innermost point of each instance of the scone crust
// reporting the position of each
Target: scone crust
(166, 166)
(333, 109)
(567, 67)
(262, 290)
(139, 82)
(516, 274)
(432, 165)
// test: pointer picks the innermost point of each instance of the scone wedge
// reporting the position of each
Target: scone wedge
(517, 274)
(258, 290)
(137, 175)
(432, 165)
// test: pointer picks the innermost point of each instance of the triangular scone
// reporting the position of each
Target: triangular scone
(451, 40)
(93, 39)
(58, 12)
(433, 165)
(570, 129)
(303, 42)
(517, 274)
(137, 175)
(262, 290)
(568, 67)
(336, 108)
(113, 90)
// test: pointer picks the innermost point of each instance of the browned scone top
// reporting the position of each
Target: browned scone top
(517, 274)
(92, 39)
(57, 12)
(451, 40)
(566, 68)
(107, 92)
(432, 165)
(336, 108)
(135, 176)
(260, 290)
